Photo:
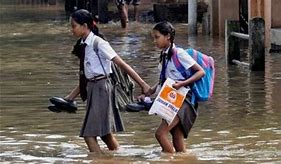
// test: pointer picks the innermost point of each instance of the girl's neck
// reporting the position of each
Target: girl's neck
(167, 47)
(84, 37)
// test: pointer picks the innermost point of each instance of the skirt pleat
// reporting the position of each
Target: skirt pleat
(100, 117)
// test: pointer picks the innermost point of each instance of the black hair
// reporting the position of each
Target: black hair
(83, 16)
(166, 28)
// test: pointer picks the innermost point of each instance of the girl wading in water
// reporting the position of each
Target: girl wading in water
(164, 34)
(95, 86)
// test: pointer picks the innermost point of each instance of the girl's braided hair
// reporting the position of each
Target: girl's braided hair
(166, 28)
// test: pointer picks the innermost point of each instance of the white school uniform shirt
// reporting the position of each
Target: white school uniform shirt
(92, 66)
(171, 71)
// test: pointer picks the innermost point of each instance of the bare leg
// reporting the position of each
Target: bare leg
(136, 13)
(178, 138)
(110, 141)
(161, 135)
(123, 15)
(92, 144)
(127, 13)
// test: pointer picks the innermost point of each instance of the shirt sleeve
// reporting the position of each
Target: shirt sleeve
(185, 59)
(106, 50)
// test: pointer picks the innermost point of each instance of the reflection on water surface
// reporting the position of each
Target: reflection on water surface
(241, 123)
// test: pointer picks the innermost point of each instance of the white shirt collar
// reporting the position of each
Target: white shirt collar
(88, 39)
(167, 49)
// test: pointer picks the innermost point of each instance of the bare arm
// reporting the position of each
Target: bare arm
(132, 73)
(73, 94)
(199, 73)
(153, 88)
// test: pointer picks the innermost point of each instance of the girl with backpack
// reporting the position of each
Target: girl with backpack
(164, 35)
(95, 66)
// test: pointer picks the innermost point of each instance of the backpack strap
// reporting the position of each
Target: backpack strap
(182, 70)
(177, 63)
(96, 49)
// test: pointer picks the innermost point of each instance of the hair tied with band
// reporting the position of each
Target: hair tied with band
(94, 23)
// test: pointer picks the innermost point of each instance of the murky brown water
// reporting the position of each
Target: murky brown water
(240, 124)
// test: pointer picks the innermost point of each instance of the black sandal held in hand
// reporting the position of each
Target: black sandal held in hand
(61, 104)
(138, 106)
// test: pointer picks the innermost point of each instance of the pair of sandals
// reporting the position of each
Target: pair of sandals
(62, 105)
(139, 106)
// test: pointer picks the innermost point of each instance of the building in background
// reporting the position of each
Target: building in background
(244, 10)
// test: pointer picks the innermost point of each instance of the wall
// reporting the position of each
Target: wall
(214, 16)
(228, 9)
(268, 22)
(275, 13)
(256, 8)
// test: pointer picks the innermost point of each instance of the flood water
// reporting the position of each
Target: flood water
(240, 124)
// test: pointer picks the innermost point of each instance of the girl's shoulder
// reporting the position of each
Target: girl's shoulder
(184, 57)
(99, 42)
(182, 53)
(98, 39)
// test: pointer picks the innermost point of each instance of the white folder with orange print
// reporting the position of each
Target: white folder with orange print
(168, 101)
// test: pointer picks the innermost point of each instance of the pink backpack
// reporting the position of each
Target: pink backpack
(203, 88)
